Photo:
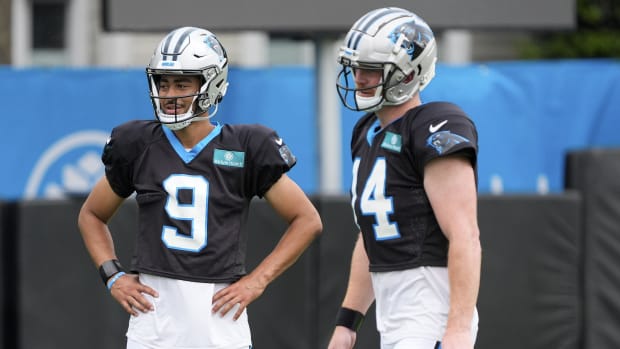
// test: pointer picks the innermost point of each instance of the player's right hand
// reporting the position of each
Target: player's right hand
(343, 338)
(129, 293)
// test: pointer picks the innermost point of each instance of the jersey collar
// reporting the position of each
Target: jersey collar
(188, 155)
(375, 129)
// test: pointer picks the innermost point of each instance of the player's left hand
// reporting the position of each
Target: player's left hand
(454, 339)
(242, 293)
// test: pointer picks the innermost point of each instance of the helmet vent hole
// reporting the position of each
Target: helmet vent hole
(409, 77)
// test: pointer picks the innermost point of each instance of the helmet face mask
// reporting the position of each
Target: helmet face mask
(395, 41)
(189, 51)
(367, 97)
(176, 98)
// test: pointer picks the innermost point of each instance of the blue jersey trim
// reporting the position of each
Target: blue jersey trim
(188, 156)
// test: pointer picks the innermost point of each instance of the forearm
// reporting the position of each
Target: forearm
(98, 208)
(360, 294)
(304, 225)
(97, 238)
(296, 239)
(464, 263)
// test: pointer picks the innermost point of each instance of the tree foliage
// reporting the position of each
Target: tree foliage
(597, 34)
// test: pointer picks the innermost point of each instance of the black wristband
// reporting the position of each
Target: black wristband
(109, 269)
(349, 318)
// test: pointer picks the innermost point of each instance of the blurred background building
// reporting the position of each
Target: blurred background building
(74, 33)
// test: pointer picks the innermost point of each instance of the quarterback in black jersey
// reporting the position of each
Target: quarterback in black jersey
(414, 192)
(193, 181)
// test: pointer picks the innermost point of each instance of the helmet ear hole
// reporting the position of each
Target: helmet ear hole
(409, 77)
(203, 103)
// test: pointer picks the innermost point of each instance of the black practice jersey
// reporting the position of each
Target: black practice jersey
(193, 203)
(398, 225)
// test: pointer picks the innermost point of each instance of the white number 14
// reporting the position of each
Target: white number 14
(374, 202)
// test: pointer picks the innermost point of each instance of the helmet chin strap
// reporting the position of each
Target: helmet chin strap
(178, 125)
(183, 124)
(370, 104)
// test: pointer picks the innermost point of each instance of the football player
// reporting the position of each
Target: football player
(414, 192)
(193, 181)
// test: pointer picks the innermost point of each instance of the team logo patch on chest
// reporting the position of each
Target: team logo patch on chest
(392, 141)
(228, 158)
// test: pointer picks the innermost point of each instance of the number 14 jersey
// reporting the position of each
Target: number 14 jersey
(391, 208)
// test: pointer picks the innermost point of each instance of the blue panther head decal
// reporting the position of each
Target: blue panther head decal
(444, 141)
(416, 36)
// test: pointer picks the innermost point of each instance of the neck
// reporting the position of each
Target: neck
(194, 133)
(389, 113)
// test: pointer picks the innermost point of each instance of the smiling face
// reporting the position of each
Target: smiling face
(177, 93)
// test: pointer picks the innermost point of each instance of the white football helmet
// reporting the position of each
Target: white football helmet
(189, 51)
(394, 41)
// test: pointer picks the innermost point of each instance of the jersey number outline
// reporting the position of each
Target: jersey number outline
(373, 200)
(196, 212)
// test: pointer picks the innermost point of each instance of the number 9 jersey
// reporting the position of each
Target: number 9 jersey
(193, 203)
(391, 208)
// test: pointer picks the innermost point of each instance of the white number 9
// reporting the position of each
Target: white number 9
(196, 212)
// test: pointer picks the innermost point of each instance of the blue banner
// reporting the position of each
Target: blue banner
(529, 114)
(57, 121)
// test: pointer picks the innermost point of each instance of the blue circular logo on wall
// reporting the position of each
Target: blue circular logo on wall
(69, 167)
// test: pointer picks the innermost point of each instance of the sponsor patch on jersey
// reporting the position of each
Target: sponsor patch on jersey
(392, 141)
(444, 141)
(228, 158)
